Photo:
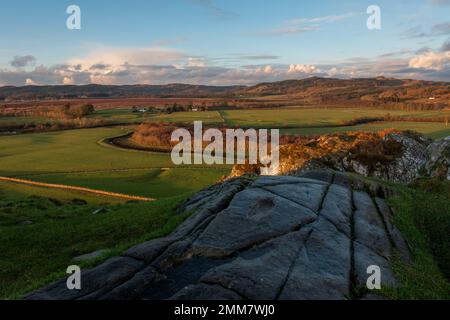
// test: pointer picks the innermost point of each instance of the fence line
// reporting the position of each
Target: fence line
(73, 188)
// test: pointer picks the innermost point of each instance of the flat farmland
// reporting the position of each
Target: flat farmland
(430, 129)
(312, 117)
(208, 117)
(77, 157)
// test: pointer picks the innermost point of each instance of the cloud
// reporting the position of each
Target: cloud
(303, 25)
(196, 62)
(324, 19)
(446, 45)
(396, 53)
(440, 29)
(114, 56)
(440, 2)
(215, 10)
(22, 61)
(169, 42)
(258, 57)
(162, 66)
(292, 30)
(30, 82)
(431, 60)
(302, 68)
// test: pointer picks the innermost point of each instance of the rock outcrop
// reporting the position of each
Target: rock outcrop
(311, 236)
(439, 160)
(392, 156)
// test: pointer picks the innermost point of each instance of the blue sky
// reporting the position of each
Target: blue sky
(221, 41)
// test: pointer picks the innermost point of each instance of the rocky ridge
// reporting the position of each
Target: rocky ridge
(310, 236)
(393, 156)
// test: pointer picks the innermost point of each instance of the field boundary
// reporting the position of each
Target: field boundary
(74, 188)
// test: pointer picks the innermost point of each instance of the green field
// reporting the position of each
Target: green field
(127, 116)
(42, 230)
(208, 117)
(124, 115)
(14, 121)
(38, 252)
(311, 117)
(430, 129)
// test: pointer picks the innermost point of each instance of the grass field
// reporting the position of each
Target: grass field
(42, 230)
(208, 117)
(310, 117)
(38, 253)
(430, 129)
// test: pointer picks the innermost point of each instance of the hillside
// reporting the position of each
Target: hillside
(318, 91)
(11, 93)
(370, 91)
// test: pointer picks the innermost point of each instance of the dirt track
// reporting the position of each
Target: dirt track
(73, 188)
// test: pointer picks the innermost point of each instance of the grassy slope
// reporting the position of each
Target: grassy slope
(62, 228)
(33, 255)
(422, 214)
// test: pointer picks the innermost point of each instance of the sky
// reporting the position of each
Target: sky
(221, 42)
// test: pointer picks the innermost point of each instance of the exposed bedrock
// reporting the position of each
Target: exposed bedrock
(306, 237)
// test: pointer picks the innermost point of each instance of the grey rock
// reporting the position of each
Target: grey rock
(310, 236)
(260, 273)
(253, 216)
(368, 225)
(204, 291)
(133, 288)
(322, 269)
(397, 240)
(439, 162)
(94, 282)
(90, 256)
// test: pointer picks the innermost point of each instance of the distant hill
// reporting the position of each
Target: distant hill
(363, 91)
(11, 93)
(366, 91)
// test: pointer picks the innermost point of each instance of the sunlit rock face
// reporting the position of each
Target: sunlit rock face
(391, 155)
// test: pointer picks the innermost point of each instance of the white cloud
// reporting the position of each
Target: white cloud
(431, 60)
(117, 56)
(68, 80)
(324, 19)
(302, 68)
(196, 62)
(293, 30)
(162, 66)
(30, 82)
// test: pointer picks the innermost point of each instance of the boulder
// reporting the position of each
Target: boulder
(311, 236)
